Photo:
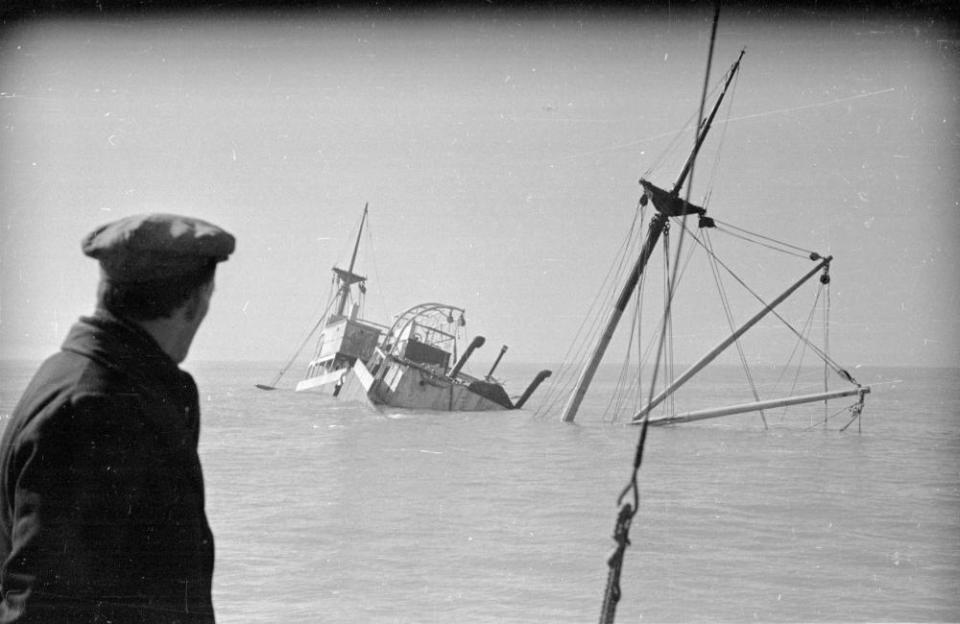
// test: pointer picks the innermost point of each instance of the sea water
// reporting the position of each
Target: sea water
(333, 512)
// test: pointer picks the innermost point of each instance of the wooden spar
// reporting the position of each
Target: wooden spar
(353, 258)
(706, 126)
(709, 357)
(754, 407)
(657, 225)
(356, 245)
(586, 377)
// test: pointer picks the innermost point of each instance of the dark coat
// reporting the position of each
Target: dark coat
(101, 491)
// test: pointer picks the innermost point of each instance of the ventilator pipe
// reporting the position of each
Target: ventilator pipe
(475, 344)
(533, 386)
(503, 350)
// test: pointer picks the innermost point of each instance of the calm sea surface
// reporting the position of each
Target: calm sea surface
(327, 512)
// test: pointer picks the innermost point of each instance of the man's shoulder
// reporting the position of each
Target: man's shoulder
(64, 380)
(67, 372)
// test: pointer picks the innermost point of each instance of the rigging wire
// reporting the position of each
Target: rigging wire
(768, 246)
(801, 345)
(802, 251)
(629, 385)
(623, 387)
(638, 321)
(273, 383)
(634, 385)
(668, 318)
(854, 408)
(826, 337)
(723, 136)
(820, 353)
(625, 383)
(376, 269)
(586, 333)
(591, 324)
(671, 149)
(725, 302)
(628, 509)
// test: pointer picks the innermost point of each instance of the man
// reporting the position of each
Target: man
(101, 490)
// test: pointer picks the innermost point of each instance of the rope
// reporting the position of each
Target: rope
(856, 410)
(641, 360)
(615, 562)
(579, 344)
(372, 257)
(627, 511)
(625, 387)
(826, 336)
(745, 234)
(296, 354)
(671, 150)
(725, 301)
(722, 140)
(806, 331)
(667, 316)
(820, 353)
(621, 533)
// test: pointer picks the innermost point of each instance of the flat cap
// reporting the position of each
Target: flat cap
(148, 247)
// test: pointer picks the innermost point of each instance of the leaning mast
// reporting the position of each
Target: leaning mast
(667, 204)
(348, 278)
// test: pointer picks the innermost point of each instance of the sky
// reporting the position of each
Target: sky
(499, 151)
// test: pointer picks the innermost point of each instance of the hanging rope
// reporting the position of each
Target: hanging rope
(668, 284)
(825, 281)
(627, 510)
(856, 410)
(672, 150)
(727, 310)
(591, 324)
(615, 562)
(801, 346)
(369, 243)
(621, 534)
(626, 384)
(641, 361)
(273, 383)
(721, 142)
(820, 353)
(837, 412)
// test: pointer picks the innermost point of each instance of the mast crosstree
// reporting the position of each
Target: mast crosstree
(669, 204)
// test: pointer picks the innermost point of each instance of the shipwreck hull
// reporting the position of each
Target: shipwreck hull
(399, 384)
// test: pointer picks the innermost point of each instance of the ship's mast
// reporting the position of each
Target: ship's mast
(706, 127)
(672, 207)
(348, 278)
(356, 245)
